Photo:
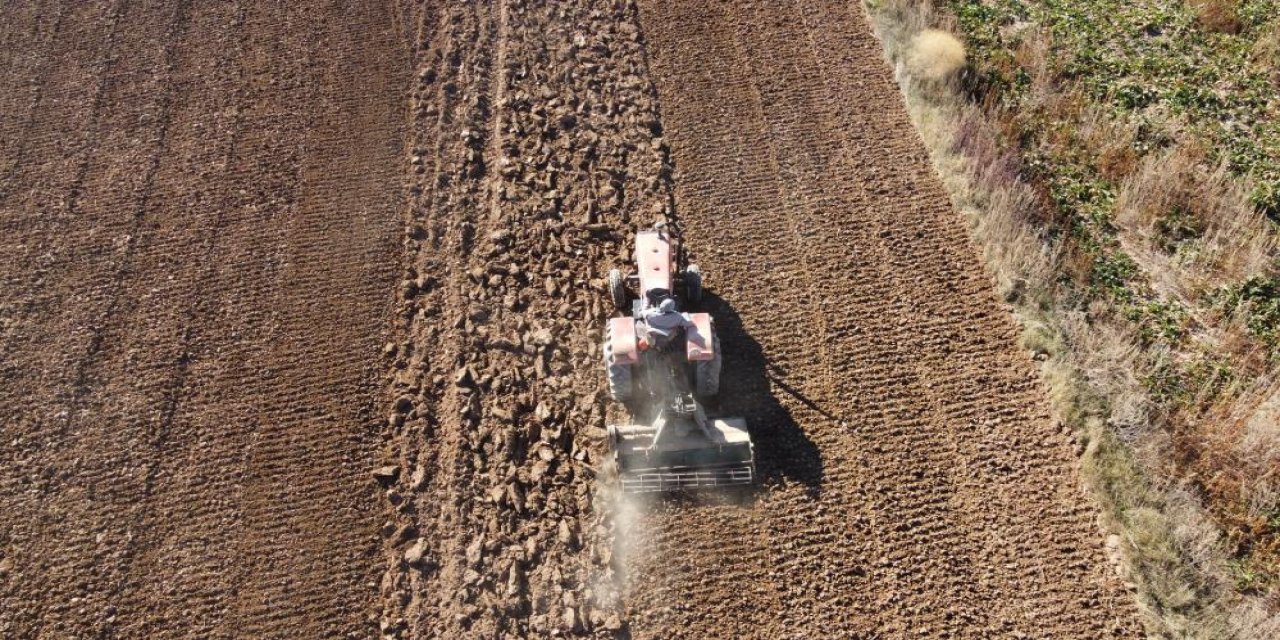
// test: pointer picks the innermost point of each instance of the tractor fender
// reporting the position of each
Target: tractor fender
(622, 340)
(699, 344)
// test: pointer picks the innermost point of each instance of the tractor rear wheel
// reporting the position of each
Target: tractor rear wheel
(618, 289)
(706, 373)
(618, 373)
(619, 381)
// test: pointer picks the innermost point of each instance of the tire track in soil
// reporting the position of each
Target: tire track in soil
(39, 60)
(36, 221)
(911, 330)
(188, 218)
(20, 50)
(467, 124)
(28, 35)
(455, 70)
(399, 588)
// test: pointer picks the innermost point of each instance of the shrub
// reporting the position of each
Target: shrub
(936, 55)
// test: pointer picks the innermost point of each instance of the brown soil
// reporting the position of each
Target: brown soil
(301, 318)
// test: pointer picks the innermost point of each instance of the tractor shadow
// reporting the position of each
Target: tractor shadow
(750, 386)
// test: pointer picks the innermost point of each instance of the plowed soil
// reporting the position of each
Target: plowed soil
(299, 333)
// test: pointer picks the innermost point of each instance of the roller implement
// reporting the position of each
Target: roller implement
(663, 363)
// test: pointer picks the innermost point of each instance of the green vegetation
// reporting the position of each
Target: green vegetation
(1168, 73)
(1120, 164)
(1259, 297)
(1155, 61)
(1198, 74)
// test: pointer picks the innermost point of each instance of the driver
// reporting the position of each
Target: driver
(663, 323)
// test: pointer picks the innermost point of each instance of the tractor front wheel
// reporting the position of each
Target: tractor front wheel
(693, 284)
(618, 289)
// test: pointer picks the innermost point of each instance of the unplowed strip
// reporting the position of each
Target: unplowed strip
(201, 220)
(812, 204)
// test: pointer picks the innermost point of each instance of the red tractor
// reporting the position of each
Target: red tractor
(663, 362)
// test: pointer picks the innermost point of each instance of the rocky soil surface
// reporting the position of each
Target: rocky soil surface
(300, 333)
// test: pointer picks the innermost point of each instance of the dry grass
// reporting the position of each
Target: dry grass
(1261, 444)
(1173, 551)
(1193, 224)
(1114, 142)
(1249, 444)
(1221, 16)
(1266, 52)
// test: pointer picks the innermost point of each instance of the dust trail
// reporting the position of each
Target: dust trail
(616, 517)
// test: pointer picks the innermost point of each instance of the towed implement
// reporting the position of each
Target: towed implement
(663, 363)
